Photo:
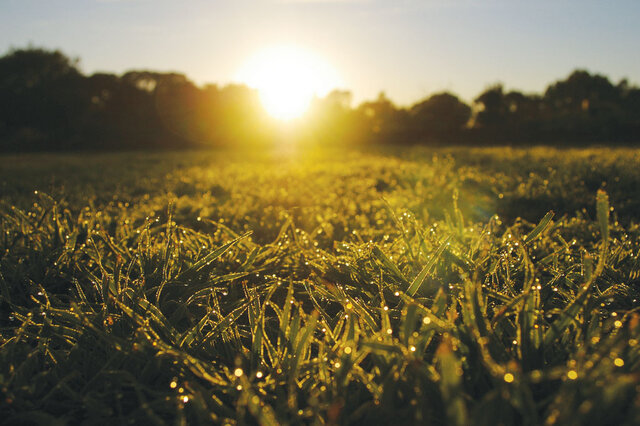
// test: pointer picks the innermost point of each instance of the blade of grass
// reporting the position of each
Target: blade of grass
(419, 279)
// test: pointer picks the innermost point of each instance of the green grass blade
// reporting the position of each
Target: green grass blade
(388, 264)
(539, 229)
(602, 208)
(419, 279)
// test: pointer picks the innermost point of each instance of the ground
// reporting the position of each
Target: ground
(446, 286)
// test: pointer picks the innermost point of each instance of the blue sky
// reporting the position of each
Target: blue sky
(407, 48)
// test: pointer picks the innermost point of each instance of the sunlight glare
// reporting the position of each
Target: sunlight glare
(287, 78)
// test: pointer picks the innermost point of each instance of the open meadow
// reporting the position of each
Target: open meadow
(419, 286)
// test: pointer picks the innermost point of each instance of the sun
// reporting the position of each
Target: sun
(287, 78)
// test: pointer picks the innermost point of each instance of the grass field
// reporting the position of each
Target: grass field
(391, 287)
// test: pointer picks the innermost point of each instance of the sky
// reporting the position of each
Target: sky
(407, 48)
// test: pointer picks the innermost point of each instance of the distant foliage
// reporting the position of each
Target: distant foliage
(49, 105)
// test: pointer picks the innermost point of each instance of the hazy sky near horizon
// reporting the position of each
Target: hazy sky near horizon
(407, 48)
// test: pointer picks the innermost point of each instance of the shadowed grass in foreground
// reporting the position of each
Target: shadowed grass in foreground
(364, 290)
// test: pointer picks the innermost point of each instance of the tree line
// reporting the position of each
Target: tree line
(48, 104)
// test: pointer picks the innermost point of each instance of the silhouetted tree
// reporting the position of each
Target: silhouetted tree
(385, 122)
(48, 104)
(583, 108)
(629, 129)
(41, 98)
(510, 117)
(240, 116)
(441, 118)
(333, 121)
(490, 114)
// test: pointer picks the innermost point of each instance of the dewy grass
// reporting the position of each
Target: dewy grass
(371, 289)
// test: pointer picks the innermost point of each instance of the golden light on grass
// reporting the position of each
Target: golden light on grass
(287, 79)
